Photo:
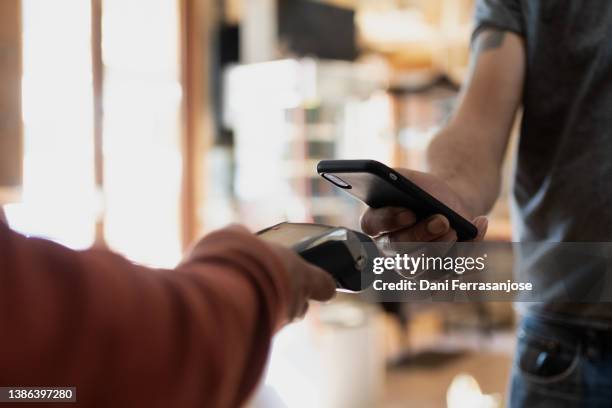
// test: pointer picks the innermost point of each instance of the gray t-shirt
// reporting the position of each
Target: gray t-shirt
(563, 184)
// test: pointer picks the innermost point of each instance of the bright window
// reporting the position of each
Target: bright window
(142, 160)
(59, 200)
(140, 201)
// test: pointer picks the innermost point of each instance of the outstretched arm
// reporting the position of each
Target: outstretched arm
(129, 336)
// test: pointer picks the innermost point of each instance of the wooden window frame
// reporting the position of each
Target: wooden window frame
(196, 21)
(11, 125)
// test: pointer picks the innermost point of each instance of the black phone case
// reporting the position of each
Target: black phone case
(380, 186)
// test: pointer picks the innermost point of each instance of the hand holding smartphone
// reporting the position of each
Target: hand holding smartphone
(379, 186)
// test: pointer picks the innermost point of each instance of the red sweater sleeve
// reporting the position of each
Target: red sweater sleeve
(129, 336)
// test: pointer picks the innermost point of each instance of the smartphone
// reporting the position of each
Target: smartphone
(380, 186)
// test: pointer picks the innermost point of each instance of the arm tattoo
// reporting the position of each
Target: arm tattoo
(490, 40)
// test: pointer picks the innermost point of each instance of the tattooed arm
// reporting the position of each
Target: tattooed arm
(465, 158)
(468, 153)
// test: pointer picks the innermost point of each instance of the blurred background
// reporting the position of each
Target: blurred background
(141, 124)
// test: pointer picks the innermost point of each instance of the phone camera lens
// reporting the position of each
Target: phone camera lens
(336, 180)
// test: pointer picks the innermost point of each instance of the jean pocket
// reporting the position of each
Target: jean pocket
(546, 360)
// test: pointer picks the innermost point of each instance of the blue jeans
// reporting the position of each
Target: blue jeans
(561, 365)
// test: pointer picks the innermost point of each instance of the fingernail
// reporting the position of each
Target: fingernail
(481, 223)
(437, 226)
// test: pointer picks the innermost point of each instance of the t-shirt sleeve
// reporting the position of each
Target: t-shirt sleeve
(501, 14)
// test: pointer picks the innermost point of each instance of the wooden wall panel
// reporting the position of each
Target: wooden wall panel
(11, 128)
